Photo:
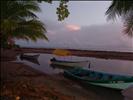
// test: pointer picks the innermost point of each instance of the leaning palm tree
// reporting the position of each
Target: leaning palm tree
(18, 20)
(123, 9)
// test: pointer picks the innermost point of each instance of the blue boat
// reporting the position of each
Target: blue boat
(90, 77)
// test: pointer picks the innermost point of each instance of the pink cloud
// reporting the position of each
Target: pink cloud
(73, 27)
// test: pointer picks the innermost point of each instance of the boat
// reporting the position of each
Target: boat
(101, 79)
(22, 56)
(60, 67)
(73, 64)
(30, 58)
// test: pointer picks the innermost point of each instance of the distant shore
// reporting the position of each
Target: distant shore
(85, 53)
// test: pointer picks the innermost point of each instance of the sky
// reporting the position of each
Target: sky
(85, 28)
(81, 12)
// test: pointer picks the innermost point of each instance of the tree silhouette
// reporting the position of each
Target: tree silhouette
(123, 9)
(18, 20)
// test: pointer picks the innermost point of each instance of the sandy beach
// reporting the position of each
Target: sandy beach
(21, 82)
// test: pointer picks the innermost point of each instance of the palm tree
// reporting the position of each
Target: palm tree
(123, 9)
(18, 20)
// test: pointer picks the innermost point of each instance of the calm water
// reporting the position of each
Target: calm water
(123, 67)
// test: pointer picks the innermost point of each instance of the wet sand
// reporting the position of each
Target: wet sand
(21, 82)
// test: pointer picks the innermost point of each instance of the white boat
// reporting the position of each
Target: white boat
(54, 61)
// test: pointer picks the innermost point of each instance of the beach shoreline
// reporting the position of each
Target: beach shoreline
(21, 82)
(83, 53)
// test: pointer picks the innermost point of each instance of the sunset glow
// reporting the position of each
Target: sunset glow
(73, 27)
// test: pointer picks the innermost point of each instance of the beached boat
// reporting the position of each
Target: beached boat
(54, 61)
(30, 58)
(90, 77)
(60, 67)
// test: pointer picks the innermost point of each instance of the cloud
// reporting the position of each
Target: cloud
(96, 37)
(73, 27)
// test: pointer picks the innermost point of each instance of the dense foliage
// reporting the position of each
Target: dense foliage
(18, 20)
(123, 9)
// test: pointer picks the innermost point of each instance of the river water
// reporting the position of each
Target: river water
(123, 67)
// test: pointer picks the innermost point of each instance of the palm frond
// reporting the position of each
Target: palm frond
(32, 29)
(31, 5)
(128, 24)
(14, 10)
(18, 20)
(118, 8)
(123, 9)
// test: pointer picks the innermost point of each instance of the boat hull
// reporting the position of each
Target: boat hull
(113, 85)
(30, 58)
(76, 64)
(70, 63)
(121, 82)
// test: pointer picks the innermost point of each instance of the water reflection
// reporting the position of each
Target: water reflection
(104, 65)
